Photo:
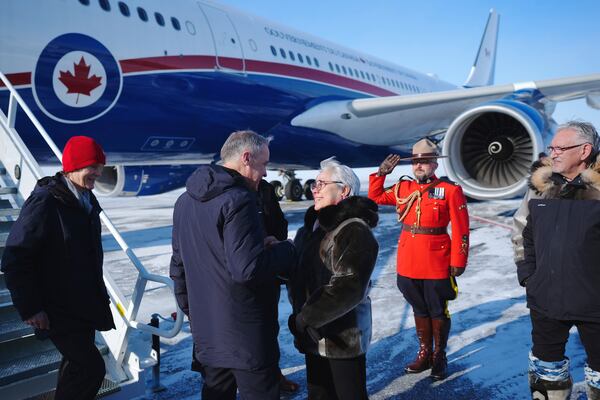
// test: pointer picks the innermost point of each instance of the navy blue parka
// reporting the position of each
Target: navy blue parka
(225, 279)
(53, 260)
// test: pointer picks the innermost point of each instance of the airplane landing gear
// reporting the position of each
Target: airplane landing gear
(294, 190)
(279, 192)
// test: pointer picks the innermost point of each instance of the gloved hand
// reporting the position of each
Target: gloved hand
(456, 271)
(301, 330)
(388, 164)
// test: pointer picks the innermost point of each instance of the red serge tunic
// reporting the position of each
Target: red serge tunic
(428, 256)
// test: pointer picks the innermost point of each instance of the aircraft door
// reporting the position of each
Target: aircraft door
(228, 46)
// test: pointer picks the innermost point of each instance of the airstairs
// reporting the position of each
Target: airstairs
(28, 366)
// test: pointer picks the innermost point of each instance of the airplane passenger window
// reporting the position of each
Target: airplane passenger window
(274, 51)
(282, 52)
(292, 56)
(308, 60)
(344, 69)
(159, 19)
(85, 2)
(104, 4)
(142, 14)
(350, 72)
(300, 58)
(316, 62)
(337, 68)
(356, 72)
(362, 74)
(124, 9)
(175, 23)
(330, 66)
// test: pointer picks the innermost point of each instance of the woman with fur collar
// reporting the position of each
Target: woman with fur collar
(558, 259)
(337, 251)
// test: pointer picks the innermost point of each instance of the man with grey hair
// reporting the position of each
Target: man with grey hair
(557, 263)
(226, 278)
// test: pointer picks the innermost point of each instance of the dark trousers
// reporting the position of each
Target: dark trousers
(428, 297)
(336, 379)
(550, 337)
(82, 368)
(222, 383)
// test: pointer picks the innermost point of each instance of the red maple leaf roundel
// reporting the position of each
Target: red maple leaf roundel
(81, 82)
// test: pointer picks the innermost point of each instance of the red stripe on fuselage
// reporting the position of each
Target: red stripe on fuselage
(21, 78)
(173, 63)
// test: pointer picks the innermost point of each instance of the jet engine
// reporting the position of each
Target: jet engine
(491, 148)
(120, 180)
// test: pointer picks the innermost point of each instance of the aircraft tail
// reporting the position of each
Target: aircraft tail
(482, 71)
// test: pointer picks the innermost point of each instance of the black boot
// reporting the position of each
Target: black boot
(423, 360)
(546, 390)
(441, 330)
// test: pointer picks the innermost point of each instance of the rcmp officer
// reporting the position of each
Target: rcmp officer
(428, 259)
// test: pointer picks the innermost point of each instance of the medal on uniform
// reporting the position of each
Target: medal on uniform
(437, 193)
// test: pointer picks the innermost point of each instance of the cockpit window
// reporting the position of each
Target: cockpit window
(124, 9)
(142, 14)
(159, 19)
(175, 23)
(85, 2)
(104, 4)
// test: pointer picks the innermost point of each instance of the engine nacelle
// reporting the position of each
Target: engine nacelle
(119, 180)
(491, 148)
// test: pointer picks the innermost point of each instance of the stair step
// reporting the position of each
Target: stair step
(30, 366)
(9, 212)
(8, 190)
(108, 387)
(14, 329)
(5, 298)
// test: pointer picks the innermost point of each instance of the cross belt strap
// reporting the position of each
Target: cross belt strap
(421, 230)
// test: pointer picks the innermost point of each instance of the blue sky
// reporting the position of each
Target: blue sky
(538, 39)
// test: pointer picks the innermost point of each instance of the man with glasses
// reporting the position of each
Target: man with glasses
(557, 259)
(428, 259)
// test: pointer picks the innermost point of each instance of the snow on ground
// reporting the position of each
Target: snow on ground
(490, 336)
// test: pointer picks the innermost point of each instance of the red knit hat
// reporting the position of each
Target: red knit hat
(81, 152)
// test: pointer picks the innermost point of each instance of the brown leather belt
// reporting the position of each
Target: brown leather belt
(421, 230)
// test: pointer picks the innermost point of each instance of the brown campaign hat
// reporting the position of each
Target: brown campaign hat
(424, 149)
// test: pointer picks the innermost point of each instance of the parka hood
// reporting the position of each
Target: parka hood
(209, 181)
(550, 185)
(352, 207)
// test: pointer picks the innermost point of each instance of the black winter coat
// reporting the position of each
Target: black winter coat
(53, 260)
(561, 269)
(329, 289)
(225, 280)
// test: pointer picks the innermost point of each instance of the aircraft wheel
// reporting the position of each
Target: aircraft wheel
(307, 192)
(293, 190)
(278, 189)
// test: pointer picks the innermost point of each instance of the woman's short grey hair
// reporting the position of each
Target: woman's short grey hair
(585, 131)
(342, 173)
(241, 141)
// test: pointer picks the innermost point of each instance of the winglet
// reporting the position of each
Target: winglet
(482, 71)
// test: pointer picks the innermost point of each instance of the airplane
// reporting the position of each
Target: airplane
(162, 84)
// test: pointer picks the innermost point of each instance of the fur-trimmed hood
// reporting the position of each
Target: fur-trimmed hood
(352, 207)
(549, 185)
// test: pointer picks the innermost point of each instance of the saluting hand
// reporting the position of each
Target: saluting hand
(39, 321)
(388, 164)
(456, 271)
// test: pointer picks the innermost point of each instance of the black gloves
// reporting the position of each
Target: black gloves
(301, 330)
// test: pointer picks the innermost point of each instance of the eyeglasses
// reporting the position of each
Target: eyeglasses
(318, 185)
(558, 149)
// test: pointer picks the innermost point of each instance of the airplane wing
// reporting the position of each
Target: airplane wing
(398, 120)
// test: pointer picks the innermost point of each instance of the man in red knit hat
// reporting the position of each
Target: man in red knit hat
(53, 267)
